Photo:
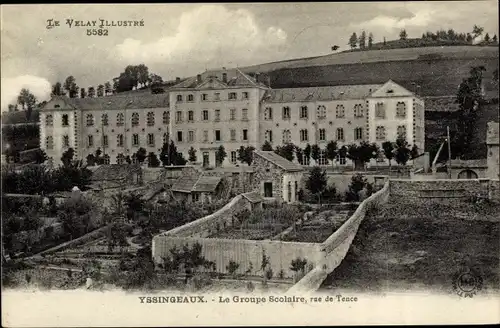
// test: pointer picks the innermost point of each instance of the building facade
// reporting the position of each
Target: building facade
(207, 111)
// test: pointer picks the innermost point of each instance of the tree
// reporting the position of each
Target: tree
(192, 155)
(153, 160)
(357, 184)
(100, 90)
(487, 38)
(384, 41)
(403, 35)
(335, 48)
(362, 153)
(91, 160)
(370, 41)
(362, 40)
(107, 88)
(315, 153)
(331, 151)
(57, 89)
(267, 146)
(27, 101)
(477, 31)
(353, 41)
(71, 87)
(316, 182)
(286, 151)
(494, 39)
(83, 93)
(402, 151)
(91, 92)
(142, 74)
(170, 156)
(220, 155)
(67, 157)
(141, 155)
(307, 154)
(414, 152)
(388, 148)
(40, 156)
(76, 216)
(245, 154)
(469, 38)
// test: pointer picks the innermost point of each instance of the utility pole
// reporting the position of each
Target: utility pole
(449, 151)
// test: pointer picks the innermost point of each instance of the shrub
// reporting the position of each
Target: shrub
(232, 267)
(269, 273)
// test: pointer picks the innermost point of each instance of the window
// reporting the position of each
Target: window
(49, 142)
(106, 159)
(358, 133)
(303, 112)
(90, 119)
(190, 136)
(232, 96)
(340, 111)
(135, 119)
(90, 141)
(190, 116)
(233, 135)
(233, 157)
(120, 120)
(179, 136)
(401, 109)
(65, 120)
(358, 110)
(205, 136)
(165, 138)
(179, 98)
(402, 132)
(287, 136)
(244, 114)
(268, 189)
(49, 120)
(190, 98)
(204, 115)
(245, 95)
(217, 135)
(104, 119)
(65, 141)
(119, 140)
(217, 115)
(341, 160)
(322, 135)
(304, 135)
(268, 113)
(380, 133)
(379, 110)
(245, 135)
(120, 159)
(206, 158)
(340, 134)
(151, 118)
(166, 117)
(135, 139)
(217, 96)
(105, 141)
(204, 97)
(151, 139)
(322, 160)
(178, 116)
(321, 112)
(286, 113)
(232, 114)
(269, 136)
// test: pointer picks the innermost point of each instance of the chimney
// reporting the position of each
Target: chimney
(177, 80)
(224, 77)
(198, 78)
(257, 77)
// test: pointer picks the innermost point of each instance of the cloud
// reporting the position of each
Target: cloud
(11, 87)
(420, 18)
(207, 33)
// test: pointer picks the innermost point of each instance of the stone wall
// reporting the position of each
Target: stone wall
(440, 188)
(494, 190)
(265, 171)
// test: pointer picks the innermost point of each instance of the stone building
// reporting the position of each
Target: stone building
(275, 177)
(492, 141)
(116, 176)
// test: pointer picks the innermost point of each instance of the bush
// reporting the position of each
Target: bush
(232, 267)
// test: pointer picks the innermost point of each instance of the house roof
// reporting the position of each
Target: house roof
(206, 184)
(342, 92)
(120, 102)
(184, 184)
(253, 197)
(276, 159)
(114, 172)
(213, 80)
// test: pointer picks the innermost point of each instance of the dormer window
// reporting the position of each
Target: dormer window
(390, 91)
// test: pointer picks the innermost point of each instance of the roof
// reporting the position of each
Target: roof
(184, 184)
(206, 184)
(127, 101)
(253, 197)
(492, 136)
(276, 159)
(343, 92)
(114, 171)
(214, 80)
(20, 117)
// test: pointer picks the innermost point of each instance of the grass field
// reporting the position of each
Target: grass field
(421, 246)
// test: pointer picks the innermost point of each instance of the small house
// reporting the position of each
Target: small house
(192, 188)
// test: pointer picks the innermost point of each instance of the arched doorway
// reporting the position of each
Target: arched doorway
(467, 174)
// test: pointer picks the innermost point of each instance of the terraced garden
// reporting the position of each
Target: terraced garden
(421, 245)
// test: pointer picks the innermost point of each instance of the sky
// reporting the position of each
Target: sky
(181, 40)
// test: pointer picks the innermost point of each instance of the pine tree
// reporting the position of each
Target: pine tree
(370, 41)
(353, 41)
(362, 40)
